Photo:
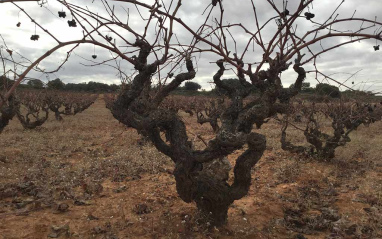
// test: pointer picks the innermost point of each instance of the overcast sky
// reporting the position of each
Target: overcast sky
(339, 63)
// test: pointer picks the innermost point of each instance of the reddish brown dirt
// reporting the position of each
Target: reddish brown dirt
(290, 196)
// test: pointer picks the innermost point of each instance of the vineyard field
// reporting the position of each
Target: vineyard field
(89, 176)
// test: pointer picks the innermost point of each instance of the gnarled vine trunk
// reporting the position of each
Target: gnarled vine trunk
(7, 112)
(208, 186)
(26, 121)
(136, 107)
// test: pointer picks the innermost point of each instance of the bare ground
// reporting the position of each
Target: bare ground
(91, 177)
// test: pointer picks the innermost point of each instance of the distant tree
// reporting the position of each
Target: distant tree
(305, 87)
(329, 90)
(70, 87)
(97, 87)
(114, 87)
(192, 86)
(56, 84)
(36, 84)
(4, 81)
(91, 86)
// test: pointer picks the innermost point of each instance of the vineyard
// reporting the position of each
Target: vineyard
(230, 119)
(79, 174)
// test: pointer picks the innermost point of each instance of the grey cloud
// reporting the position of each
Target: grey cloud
(345, 59)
